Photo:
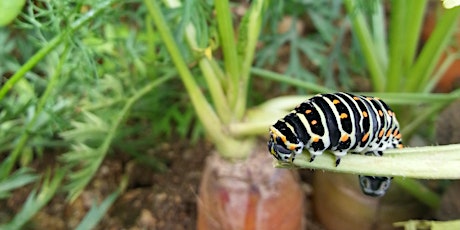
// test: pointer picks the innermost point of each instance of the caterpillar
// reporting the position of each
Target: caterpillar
(339, 122)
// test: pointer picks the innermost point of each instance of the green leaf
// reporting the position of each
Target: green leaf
(96, 213)
(9, 10)
(425, 224)
(57, 40)
(36, 201)
(77, 158)
(20, 178)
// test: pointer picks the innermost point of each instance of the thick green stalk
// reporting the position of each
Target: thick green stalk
(363, 34)
(215, 88)
(227, 40)
(414, 22)
(227, 147)
(210, 70)
(422, 70)
(289, 80)
(37, 57)
(397, 43)
(380, 35)
(413, 98)
(431, 162)
(248, 37)
(428, 224)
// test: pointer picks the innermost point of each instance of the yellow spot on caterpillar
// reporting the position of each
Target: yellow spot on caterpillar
(315, 139)
(395, 132)
(365, 137)
(380, 113)
(308, 111)
(335, 101)
(400, 146)
(388, 133)
(291, 147)
(283, 138)
(390, 113)
(356, 98)
(343, 116)
(344, 138)
(398, 136)
(314, 122)
(381, 133)
(364, 114)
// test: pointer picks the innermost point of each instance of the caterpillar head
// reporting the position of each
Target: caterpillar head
(280, 147)
(374, 186)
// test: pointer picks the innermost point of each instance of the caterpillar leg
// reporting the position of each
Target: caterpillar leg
(374, 186)
(374, 153)
(313, 154)
(338, 155)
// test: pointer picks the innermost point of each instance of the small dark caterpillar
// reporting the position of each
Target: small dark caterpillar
(341, 123)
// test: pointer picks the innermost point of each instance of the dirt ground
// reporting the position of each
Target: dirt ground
(152, 200)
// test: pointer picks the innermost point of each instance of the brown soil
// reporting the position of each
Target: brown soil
(152, 200)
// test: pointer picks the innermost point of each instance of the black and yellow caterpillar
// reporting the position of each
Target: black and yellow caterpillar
(339, 122)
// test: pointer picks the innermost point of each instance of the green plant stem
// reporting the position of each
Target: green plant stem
(428, 224)
(441, 70)
(418, 190)
(380, 35)
(211, 71)
(432, 162)
(204, 110)
(37, 57)
(289, 80)
(363, 34)
(227, 147)
(413, 98)
(8, 164)
(215, 89)
(422, 70)
(229, 49)
(421, 118)
(411, 33)
(248, 37)
(424, 115)
(406, 22)
(396, 45)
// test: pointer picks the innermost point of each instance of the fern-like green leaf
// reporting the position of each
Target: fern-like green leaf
(18, 179)
(35, 201)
